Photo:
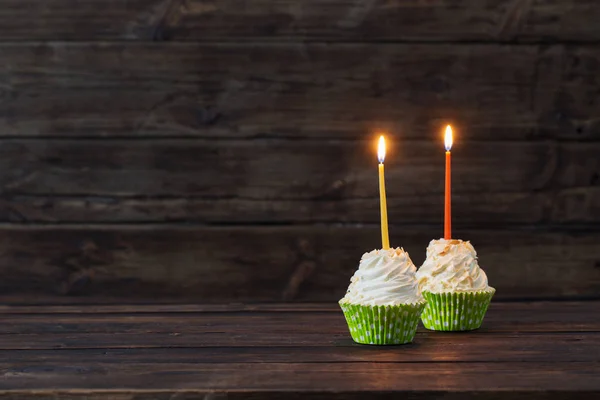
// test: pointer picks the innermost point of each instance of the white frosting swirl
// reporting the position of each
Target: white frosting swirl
(451, 266)
(384, 277)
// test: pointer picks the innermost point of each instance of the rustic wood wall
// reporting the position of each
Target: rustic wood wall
(222, 150)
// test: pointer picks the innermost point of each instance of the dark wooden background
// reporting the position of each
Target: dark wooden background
(198, 150)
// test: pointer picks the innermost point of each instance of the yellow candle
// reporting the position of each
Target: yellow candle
(385, 237)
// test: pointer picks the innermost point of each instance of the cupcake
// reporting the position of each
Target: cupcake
(383, 304)
(455, 288)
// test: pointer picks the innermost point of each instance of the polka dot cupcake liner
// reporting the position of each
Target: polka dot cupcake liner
(383, 325)
(456, 311)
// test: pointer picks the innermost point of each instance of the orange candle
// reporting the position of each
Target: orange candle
(448, 191)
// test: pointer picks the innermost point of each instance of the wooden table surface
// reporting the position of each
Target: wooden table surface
(533, 350)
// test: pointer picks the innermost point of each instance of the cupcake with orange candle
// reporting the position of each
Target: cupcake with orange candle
(455, 287)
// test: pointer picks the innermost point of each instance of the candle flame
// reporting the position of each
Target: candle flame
(381, 149)
(448, 138)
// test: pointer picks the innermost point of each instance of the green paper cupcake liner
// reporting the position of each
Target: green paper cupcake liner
(383, 325)
(456, 311)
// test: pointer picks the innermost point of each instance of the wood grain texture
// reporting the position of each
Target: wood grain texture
(547, 347)
(184, 129)
(279, 181)
(531, 311)
(325, 91)
(278, 351)
(328, 377)
(155, 262)
(293, 20)
(288, 170)
(128, 394)
(568, 330)
(578, 205)
(285, 343)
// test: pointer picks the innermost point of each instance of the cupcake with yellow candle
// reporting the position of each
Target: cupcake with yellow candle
(455, 287)
(383, 303)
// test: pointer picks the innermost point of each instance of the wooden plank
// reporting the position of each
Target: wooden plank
(156, 180)
(568, 206)
(269, 263)
(359, 20)
(511, 317)
(550, 348)
(543, 309)
(298, 377)
(542, 348)
(313, 170)
(528, 311)
(9, 307)
(283, 332)
(506, 92)
(125, 394)
(577, 205)
(330, 20)
(247, 327)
